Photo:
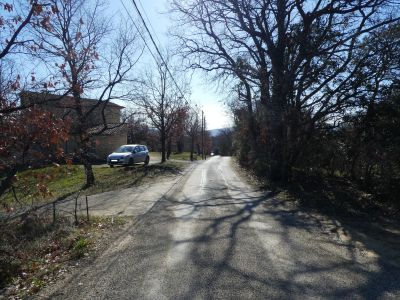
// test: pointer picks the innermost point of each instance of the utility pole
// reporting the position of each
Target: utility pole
(202, 135)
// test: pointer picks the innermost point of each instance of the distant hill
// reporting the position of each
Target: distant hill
(215, 132)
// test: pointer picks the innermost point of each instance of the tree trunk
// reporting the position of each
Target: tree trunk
(354, 161)
(163, 147)
(180, 146)
(276, 108)
(250, 118)
(86, 161)
(89, 173)
(169, 146)
(83, 137)
(191, 148)
(368, 174)
(276, 153)
(276, 128)
(6, 182)
(292, 138)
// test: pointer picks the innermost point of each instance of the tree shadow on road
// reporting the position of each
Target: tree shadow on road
(253, 245)
(243, 244)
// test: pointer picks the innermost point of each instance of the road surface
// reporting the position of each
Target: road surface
(214, 237)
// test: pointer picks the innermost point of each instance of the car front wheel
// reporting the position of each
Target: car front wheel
(147, 160)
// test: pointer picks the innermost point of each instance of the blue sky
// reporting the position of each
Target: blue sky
(203, 94)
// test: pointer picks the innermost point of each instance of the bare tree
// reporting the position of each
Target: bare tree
(162, 103)
(192, 128)
(73, 45)
(177, 132)
(294, 58)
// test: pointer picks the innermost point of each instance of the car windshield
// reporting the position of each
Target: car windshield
(124, 149)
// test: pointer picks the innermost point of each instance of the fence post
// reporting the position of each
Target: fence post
(87, 209)
(76, 207)
(54, 212)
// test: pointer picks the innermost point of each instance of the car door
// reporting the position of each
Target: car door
(143, 153)
(136, 154)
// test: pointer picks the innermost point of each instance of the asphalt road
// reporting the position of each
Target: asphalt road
(214, 237)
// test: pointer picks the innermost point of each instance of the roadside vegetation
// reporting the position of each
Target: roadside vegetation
(176, 156)
(36, 252)
(76, 51)
(315, 98)
(352, 170)
(183, 156)
(313, 88)
(58, 181)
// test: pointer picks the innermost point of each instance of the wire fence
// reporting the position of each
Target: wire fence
(75, 205)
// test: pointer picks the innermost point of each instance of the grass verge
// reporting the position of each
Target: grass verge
(53, 182)
(175, 156)
(183, 156)
(36, 252)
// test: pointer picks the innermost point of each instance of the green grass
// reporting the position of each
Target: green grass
(183, 156)
(175, 155)
(49, 183)
(79, 247)
(39, 185)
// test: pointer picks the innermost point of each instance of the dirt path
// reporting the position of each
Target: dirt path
(132, 201)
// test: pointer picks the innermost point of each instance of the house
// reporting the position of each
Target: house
(103, 142)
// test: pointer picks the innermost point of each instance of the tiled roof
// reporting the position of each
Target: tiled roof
(64, 101)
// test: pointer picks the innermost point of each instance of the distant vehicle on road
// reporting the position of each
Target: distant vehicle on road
(128, 155)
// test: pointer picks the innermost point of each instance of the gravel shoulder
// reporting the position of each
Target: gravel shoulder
(374, 239)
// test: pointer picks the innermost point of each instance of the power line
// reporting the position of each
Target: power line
(148, 20)
(139, 31)
(158, 50)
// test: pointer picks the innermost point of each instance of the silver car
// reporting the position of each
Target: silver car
(128, 155)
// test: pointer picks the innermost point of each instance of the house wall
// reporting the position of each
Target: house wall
(112, 114)
(71, 145)
(101, 145)
(64, 107)
(106, 144)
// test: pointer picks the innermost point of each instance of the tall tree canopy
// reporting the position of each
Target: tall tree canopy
(296, 61)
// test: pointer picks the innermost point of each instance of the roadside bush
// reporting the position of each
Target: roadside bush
(80, 247)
